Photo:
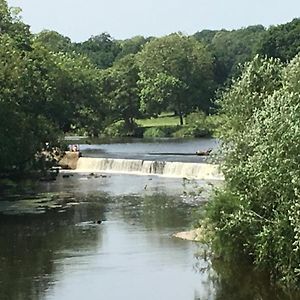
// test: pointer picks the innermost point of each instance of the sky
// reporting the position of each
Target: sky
(124, 19)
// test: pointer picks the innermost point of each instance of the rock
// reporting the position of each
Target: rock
(203, 153)
(69, 160)
(195, 235)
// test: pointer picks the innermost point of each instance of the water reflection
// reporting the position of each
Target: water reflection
(30, 243)
(51, 247)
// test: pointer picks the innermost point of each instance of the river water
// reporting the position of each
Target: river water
(179, 150)
(52, 248)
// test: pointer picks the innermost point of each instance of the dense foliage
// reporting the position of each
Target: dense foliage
(42, 94)
(282, 41)
(176, 74)
(231, 48)
(257, 213)
(50, 86)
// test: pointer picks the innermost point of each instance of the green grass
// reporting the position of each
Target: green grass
(164, 119)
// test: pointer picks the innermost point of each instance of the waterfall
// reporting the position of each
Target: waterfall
(145, 167)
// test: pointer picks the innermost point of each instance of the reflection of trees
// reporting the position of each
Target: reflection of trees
(29, 245)
(154, 211)
(238, 280)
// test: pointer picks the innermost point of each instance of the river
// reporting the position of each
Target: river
(51, 247)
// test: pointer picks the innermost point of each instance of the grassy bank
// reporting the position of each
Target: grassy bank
(196, 124)
(165, 119)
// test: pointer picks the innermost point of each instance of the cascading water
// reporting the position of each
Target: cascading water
(145, 167)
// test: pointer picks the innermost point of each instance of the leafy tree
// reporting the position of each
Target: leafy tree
(41, 93)
(119, 91)
(205, 36)
(101, 49)
(163, 88)
(54, 41)
(232, 48)
(23, 129)
(75, 100)
(180, 68)
(11, 24)
(131, 46)
(282, 41)
(257, 212)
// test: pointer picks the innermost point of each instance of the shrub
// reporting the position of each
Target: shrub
(196, 126)
(190, 132)
(119, 129)
(257, 213)
(154, 132)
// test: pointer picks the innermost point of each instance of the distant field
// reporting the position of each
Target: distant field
(162, 120)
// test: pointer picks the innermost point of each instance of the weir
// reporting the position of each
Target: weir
(145, 167)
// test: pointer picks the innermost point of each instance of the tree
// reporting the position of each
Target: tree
(11, 24)
(42, 93)
(75, 101)
(102, 50)
(233, 48)
(282, 41)
(119, 91)
(24, 129)
(54, 41)
(181, 69)
(257, 212)
(131, 46)
(205, 36)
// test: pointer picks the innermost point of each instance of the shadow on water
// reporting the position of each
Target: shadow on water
(51, 247)
(36, 229)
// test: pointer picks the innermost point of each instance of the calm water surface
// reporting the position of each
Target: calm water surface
(183, 150)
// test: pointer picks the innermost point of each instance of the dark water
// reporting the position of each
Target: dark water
(50, 247)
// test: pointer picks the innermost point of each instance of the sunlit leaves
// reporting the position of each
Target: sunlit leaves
(181, 70)
(261, 165)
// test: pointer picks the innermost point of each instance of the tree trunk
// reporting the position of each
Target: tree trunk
(181, 118)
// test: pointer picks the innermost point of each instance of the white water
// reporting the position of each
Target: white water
(144, 167)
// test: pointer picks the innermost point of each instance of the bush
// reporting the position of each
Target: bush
(257, 213)
(160, 131)
(190, 132)
(196, 126)
(154, 132)
(119, 129)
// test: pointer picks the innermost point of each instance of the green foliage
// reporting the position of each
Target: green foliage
(176, 73)
(231, 48)
(24, 128)
(102, 50)
(120, 129)
(11, 25)
(41, 94)
(158, 92)
(196, 126)
(54, 41)
(154, 132)
(221, 215)
(190, 131)
(118, 89)
(282, 41)
(76, 101)
(50, 85)
(257, 214)
(131, 46)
